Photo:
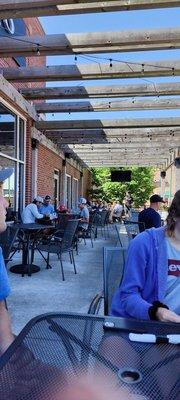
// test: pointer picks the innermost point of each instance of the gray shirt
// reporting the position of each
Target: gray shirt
(85, 215)
(172, 297)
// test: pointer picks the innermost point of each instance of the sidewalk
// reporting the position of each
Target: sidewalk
(45, 291)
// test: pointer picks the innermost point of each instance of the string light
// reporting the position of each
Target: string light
(38, 51)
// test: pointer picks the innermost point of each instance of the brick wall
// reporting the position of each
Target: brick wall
(47, 162)
(86, 182)
(33, 27)
(72, 171)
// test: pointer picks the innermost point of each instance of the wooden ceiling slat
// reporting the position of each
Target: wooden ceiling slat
(22, 8)
(91, 42)
(81, 92)
(98, 106)
(93, 71)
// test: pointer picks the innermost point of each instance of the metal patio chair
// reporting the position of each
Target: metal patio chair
(113, 268)
(132, 228)
(9, 242)
(60, 244)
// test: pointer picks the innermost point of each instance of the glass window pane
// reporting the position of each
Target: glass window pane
(9, 184)
(21, 139)
(7, 132)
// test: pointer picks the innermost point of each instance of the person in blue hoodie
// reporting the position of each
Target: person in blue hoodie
(150, 289)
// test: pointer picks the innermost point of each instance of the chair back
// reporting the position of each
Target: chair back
(134, 215)
(69, 234)
(113, 268)
(132, 228)
(62, 221)
(103, 214)
(7, 240)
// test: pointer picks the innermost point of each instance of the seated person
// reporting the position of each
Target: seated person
(47, 208)
(31, 211)
(151, 283)
(84, 214)
(150, 217)
(62, 209)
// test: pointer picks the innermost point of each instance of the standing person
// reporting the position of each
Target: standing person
(32, 211)
(6, 336)
(47, 208)
(84, 214)
(151, 284)
(150, 217)
(116, 211)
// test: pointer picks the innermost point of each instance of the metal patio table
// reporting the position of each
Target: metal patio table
(30, 233)
(52, 349)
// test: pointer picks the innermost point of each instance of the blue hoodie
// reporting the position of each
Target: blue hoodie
(145, 276)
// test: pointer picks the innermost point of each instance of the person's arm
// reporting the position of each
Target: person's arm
(35, 212)
(6, 336)
(134, 280)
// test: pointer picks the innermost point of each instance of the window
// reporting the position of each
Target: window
(12, 154)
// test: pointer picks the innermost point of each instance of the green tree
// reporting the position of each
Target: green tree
(140, 187)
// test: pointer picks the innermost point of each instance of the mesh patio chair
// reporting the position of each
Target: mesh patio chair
(100, 221)
(113, 268)
(134, 215)
(132, 228)
(60, 245)
(9, 243)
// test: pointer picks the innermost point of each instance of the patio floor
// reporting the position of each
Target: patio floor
(45, 292)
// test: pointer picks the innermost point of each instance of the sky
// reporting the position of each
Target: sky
(117, 21)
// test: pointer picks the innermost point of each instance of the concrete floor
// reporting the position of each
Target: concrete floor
(45, 292)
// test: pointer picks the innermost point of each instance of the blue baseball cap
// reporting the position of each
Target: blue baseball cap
(5, 173)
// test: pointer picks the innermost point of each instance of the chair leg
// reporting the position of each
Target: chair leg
(72, 255)
(48, 266)
(91, 239)
(62, 269)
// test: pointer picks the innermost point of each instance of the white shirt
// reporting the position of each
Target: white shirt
(30, 214)
(118, 208)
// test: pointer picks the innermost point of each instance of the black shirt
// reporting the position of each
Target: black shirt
(150, 217)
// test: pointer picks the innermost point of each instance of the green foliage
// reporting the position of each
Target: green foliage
(140, 187)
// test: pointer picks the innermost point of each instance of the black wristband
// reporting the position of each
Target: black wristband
(153, 309)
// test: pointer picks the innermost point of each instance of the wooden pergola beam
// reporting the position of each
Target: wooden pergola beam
(122, 150)
(91, 42)
(10, 94)
(92, 71)
(23, 9)
(129, 163)
(125, 134)
(115, 147)
(109, 124)
(109, 91)
(122, 105)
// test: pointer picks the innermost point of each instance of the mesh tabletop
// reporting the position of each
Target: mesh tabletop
(54, 348)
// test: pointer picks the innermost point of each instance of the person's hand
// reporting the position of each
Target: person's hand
(165, 315)
(3, 212)
(93, 389)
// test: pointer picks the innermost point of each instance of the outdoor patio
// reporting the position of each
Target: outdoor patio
(45, 291)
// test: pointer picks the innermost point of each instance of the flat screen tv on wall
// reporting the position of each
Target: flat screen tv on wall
(121, 176)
